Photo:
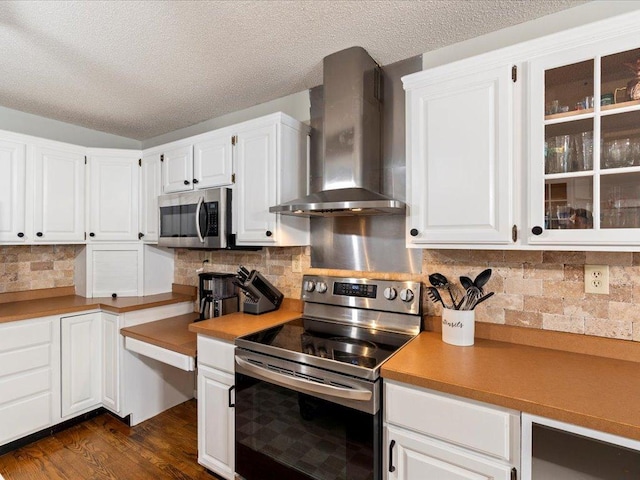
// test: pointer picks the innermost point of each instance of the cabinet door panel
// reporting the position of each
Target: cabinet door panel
(177, 168)
(12, 191)
(215, 422)
(114, 198)
(212, 162)
(151, 183)
(256, 188)
(460, 160)
(80, 362)
(110, 362)
(59, 196)
(417, 457)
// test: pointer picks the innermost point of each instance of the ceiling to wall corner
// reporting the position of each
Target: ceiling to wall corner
(143, 68)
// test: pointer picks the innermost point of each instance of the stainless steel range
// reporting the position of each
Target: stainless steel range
(308, 393)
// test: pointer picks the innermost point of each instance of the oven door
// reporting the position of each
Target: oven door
(302, 423)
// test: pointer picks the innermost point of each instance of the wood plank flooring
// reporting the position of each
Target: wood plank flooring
(164, 447)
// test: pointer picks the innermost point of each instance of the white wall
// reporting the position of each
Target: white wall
(574, 17)
(29, 124)
(296, 105)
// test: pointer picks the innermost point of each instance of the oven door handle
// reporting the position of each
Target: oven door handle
(303, 384)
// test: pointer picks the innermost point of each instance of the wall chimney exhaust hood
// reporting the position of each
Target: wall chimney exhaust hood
(351, 165)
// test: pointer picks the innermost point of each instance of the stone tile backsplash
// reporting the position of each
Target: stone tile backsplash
(534, 289)
(32, 267)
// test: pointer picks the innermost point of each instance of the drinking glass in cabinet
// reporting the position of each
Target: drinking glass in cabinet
(620, 143)
(569, 89)
(616, 153)
(569, 203)
(620, 201)
(569, 152)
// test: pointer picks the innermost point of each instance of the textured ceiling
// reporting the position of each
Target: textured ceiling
(143, 68)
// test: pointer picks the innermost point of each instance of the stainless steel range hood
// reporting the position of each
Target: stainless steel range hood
(351, 165)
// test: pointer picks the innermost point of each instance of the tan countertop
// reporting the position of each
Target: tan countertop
(229, 327)
(41, 303)
(590, 390)
(171, 333)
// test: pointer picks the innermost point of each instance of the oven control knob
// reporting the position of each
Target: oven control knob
(390, 293)
(321, 287)
(406, 294)
(309, 286)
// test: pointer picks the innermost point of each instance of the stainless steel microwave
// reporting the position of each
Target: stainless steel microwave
(200, 219)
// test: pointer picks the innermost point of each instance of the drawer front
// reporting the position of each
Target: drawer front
(216, 353)
(25, 333)
(17, 361)
(486, 429)
(25, 417)
(24, 385)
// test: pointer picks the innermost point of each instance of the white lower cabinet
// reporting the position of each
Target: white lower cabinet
(216, 415)
(81, 362)
(429, 434)
(111, 362)
(29, 377)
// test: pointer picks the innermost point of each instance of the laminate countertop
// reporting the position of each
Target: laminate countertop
(229, 327)
(561, 376)
(60, 301)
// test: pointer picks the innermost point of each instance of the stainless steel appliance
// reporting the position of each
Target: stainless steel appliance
(308, 393)
(218, 294)
(261, 295)
(200, 219)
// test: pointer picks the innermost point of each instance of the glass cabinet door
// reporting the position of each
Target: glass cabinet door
(585, 161)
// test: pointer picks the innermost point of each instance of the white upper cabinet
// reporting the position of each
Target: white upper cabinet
(177, 169)
(271, 168)
(584, 153)
(113, 195)
(460, 169)
(150, 185)
(213, 161)
(12, 191)
(59, 200)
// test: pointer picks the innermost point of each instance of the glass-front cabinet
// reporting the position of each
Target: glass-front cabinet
(584, 155)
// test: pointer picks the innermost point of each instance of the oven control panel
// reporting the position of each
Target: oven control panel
(384, 295)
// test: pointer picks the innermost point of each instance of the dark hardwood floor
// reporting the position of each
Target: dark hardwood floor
(164, 447)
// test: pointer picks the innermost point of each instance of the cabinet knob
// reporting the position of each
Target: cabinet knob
(537, 230)
(186, 182)
(268, 234)
(38, 234)
(195, 180)
(92, 234)
(140, 235)
(413, 232)
(20, 234)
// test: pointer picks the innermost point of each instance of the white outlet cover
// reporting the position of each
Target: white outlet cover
(596, 279)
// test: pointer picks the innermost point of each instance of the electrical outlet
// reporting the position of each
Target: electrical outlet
(596, 279)
(296, 264)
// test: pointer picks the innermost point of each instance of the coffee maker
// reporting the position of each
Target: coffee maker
(218, 294)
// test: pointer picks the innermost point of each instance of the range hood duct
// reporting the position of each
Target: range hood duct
(352, 129)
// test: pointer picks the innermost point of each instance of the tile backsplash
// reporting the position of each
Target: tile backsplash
(39, 266)
(534, 289)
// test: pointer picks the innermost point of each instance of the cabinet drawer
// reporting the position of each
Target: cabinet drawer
(486, 429)
(25, 385)
(216, 353)
(24, 359)
(25, 333)
(25, 417)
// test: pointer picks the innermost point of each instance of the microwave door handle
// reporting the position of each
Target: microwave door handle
(304, 385)
(200, 202)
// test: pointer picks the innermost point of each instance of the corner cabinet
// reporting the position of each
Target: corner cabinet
(271, 167)
(584, 153)
(150, 185)
(460, 173)
(428, 434)
(113, 195)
